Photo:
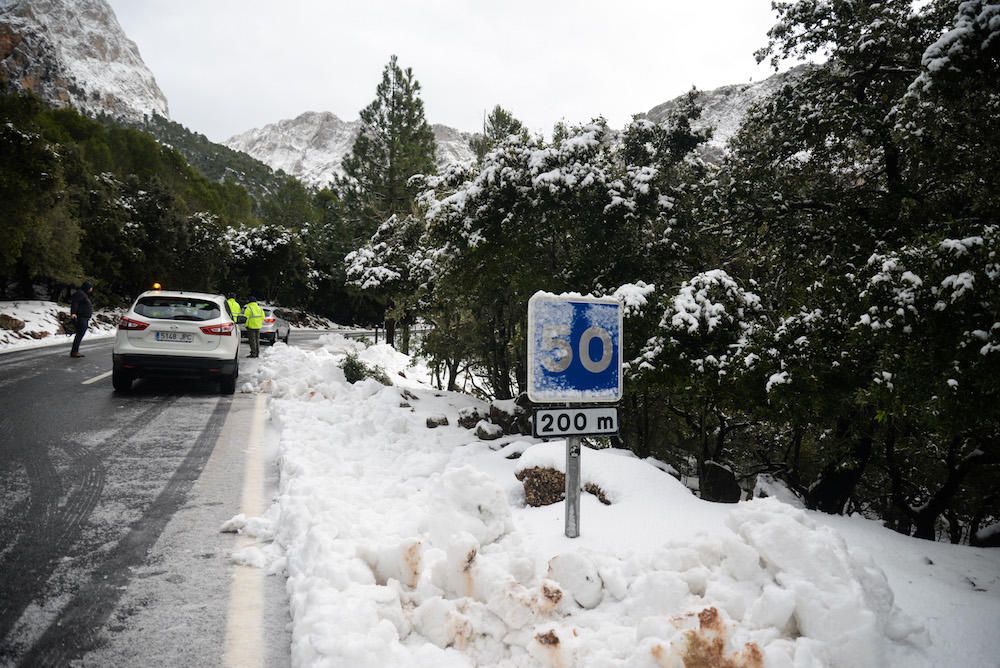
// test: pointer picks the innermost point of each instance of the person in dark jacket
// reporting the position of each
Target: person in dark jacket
(80, 310)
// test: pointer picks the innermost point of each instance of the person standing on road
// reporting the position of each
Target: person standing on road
(255, 320)
(233, 306)
(80, 310)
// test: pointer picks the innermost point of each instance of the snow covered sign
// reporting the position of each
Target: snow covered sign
(574, 349)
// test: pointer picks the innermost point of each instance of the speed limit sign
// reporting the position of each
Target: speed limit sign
(574, 349)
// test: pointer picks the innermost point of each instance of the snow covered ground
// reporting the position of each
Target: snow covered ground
(29, 323)
(409, 546)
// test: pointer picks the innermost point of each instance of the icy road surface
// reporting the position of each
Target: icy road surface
(110, 509)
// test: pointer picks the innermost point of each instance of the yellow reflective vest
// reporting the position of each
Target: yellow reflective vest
(233, 306)
(255, 315)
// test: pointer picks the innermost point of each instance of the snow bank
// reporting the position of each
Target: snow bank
(34, 323)
(408, 546)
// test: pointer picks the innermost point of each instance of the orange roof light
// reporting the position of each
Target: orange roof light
(156, 286)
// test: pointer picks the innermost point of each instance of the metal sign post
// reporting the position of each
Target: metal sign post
(574, 356)
(573, 487)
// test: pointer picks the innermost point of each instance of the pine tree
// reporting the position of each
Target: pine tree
(499, 125)
(394, 144)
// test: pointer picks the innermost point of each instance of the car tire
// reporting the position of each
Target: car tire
(121, 381)
(287, 334)
(227, 385)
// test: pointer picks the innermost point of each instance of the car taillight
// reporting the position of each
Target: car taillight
(132, 325)
(269, 320)
(224, 329)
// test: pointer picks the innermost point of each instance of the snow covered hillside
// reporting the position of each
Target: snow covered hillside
(74, 53)
(34, 323)
(313, 145)
(405, 545)
(723, 108)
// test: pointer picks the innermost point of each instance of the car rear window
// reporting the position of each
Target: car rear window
(178, 308)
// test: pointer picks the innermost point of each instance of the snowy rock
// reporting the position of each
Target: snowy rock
(578, 576)
(718, 483)
(469, 417)
(542, 486)
(439, 420)
(504, 414)
(11, 324)
(487, 431)
(74, 53)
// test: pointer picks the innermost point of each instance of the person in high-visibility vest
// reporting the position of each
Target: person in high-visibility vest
(233, 306)
(255, 320)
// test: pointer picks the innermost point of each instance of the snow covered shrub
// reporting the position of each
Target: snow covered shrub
(355, 370)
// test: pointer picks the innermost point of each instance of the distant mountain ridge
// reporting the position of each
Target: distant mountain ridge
(74, 53)
(312, 146)
(725, 107)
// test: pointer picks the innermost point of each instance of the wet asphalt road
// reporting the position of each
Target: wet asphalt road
(89, 481)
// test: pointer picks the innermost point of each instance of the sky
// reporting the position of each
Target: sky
(230, 65)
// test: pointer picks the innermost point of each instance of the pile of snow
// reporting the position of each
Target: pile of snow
(30, 324)
(409, 546)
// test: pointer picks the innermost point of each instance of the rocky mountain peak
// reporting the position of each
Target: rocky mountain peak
(725, 107)
(75, 53)
(312, 146)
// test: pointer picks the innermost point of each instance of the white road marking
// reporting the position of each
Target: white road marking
(244, 622)
(97, 378)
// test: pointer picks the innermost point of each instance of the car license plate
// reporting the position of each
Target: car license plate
(174, 337)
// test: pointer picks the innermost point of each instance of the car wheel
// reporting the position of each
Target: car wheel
(228, 385)
(121, 381)
(287, 334)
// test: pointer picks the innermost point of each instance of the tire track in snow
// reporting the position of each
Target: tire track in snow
(49, 527)
(77, 628)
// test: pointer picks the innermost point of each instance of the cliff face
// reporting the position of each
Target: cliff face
(723, 108)
(74, 53)
(313, 145)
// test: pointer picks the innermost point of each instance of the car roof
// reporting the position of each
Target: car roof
(178, 293)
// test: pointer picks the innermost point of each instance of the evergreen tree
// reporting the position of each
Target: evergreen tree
(499, 125)
(394, 144)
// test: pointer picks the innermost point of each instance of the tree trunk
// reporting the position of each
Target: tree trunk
(404, 337)
(925, 519)
(452, 366)
(840, 477)
(390, 331)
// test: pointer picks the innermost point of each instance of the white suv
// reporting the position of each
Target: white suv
(172, 333)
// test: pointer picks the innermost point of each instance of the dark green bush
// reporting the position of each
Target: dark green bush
(355, 370)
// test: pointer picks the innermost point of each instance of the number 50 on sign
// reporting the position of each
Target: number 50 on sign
(574, 349)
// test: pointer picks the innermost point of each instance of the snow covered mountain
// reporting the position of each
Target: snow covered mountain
(74, 53)
(312, 146)
(723, 108)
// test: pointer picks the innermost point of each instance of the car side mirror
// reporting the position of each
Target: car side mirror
(241, 320)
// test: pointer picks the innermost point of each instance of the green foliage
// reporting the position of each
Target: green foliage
(356, 370)
(821, 306)
(236, 171)
(498, 126)
(394, 144)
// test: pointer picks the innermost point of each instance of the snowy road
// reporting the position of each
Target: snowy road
(110, 509)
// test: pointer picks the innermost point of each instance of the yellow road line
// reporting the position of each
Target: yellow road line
(244, 623)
